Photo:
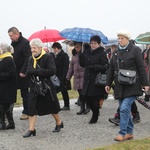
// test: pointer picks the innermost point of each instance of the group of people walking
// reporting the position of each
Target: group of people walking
(25, 64)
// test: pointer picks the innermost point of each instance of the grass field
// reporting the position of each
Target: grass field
(143, 144)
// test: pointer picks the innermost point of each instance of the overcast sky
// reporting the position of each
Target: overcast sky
(108, 16)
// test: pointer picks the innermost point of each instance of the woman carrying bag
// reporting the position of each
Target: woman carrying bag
(43, 99)
(127, 57)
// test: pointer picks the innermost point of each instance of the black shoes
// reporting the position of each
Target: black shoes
(2, 126)
(115, 121)
(93, 119)
(65, 108)
(136, 117)
(29, 133)
(58, 127)
(10, 126)
(147, 97)
(87, 110)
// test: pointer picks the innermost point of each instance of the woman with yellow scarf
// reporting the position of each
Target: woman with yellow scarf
(7, 86)
(43, 99)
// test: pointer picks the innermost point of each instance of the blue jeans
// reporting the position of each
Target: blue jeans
(126, 124)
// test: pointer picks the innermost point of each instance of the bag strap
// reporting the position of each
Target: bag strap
(120, 58)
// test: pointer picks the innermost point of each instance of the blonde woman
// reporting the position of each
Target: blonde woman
(7, 86)
(42, 101)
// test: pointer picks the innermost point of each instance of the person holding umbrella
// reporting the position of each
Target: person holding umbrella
(78, 72)
(94, 60)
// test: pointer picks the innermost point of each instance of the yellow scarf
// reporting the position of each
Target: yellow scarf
(35, 59)
(7, 54)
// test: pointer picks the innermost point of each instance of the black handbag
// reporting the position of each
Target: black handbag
(100, 79)
(55, 81)
(125, 76)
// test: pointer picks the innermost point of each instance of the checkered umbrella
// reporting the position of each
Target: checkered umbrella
(82, 34)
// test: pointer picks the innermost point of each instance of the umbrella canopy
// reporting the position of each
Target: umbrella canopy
(112, 42)
(143, 38)
(82, 34)
(47, 35)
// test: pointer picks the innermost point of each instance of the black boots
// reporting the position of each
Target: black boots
(2, 118)
(9, 115)
(82, 109)
(94, 118)
(87, 110)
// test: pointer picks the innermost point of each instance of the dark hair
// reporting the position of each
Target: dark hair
(57, 45)
(86, 46)
(95, 38)
(13, 30)
(77, 43)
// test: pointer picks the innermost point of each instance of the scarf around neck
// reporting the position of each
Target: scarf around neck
(7, 54)
(37, 58)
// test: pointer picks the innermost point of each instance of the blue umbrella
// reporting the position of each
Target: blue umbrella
(82, 34)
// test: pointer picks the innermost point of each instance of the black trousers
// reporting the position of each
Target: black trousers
(25, 99)
(93, 103)
(65, 96)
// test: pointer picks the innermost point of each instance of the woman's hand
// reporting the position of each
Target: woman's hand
(107, 89)
(146, 88)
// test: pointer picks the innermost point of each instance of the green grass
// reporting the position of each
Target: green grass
(143, 144)
(72, 94)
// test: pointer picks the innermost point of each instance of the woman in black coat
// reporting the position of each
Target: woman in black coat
(129, 57)
(8, 89)
(94, 60)
(62, 65)
(43, 99)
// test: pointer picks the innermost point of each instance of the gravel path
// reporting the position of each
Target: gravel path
(77, 134)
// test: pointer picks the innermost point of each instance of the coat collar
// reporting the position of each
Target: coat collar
(97, 50)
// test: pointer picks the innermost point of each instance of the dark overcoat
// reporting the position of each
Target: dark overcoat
(48, 104)
(94, 61)
(131, 59)
(62, 66)
(76, 71)
(8, 88)
(21, 55)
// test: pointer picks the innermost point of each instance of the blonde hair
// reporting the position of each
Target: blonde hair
(4, 47)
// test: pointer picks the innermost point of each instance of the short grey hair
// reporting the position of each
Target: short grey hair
(4, 47)
(37, 42)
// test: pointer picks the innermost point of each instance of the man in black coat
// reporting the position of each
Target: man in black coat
(21, 54)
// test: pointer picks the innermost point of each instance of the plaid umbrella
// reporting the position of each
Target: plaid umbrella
(82, 34)
(143, 102)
